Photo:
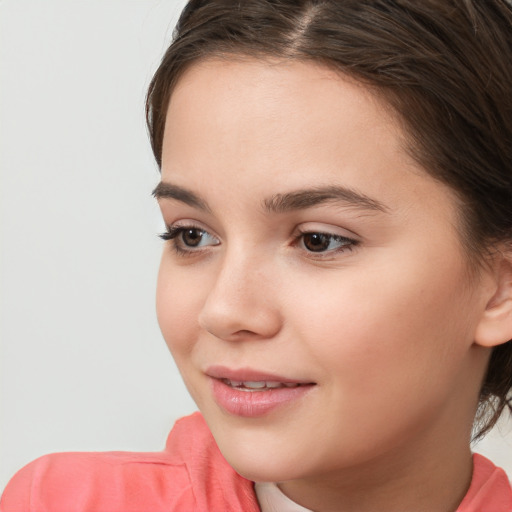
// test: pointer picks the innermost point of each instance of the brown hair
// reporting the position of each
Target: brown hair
(444, 66)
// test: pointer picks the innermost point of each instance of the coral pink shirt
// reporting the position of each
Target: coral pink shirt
(189, 475)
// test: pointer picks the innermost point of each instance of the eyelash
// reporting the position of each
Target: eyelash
(348, 244)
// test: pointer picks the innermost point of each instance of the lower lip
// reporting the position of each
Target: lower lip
(251, 404)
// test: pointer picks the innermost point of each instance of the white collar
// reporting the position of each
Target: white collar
(272, 499)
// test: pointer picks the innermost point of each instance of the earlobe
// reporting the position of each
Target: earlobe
(495, 326)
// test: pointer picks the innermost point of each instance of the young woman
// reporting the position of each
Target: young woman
(336, 282)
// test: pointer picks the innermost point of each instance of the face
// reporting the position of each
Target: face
(313, 289)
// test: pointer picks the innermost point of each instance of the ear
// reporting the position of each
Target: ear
(495, 326)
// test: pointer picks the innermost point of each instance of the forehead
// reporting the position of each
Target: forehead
(267, 106)
(276, 93)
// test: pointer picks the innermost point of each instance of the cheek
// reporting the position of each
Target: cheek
(387, 326)
(177, 307)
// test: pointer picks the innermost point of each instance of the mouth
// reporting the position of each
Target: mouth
(248, 393)
(261, 385)
(252, 379)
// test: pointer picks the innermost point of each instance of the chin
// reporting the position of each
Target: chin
(261, 461)
(258, 470)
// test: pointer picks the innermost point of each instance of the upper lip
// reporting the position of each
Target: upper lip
(250, 375)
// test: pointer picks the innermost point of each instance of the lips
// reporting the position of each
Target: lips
(249, 393)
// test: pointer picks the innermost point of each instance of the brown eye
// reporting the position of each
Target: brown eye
(326, 242)
(316, 242)
(192, 237)
(189, 238)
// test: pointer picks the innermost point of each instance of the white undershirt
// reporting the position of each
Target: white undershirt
(272, 499)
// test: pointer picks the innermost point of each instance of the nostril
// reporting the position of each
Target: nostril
(245, 333)
(234, 313)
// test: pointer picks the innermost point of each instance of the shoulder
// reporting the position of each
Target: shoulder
(490, 488)
(171, 480)
(97, 481)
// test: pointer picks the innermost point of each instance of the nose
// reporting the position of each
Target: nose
(242, 302)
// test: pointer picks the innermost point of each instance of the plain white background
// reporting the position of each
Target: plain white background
(83, 364)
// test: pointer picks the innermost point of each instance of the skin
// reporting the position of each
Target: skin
(385, 327)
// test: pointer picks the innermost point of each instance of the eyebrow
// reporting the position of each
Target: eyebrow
(166, 190)
(281, 203)
(307, 198)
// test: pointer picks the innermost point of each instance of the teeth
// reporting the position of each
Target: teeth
(258, 384)
(255, 385)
